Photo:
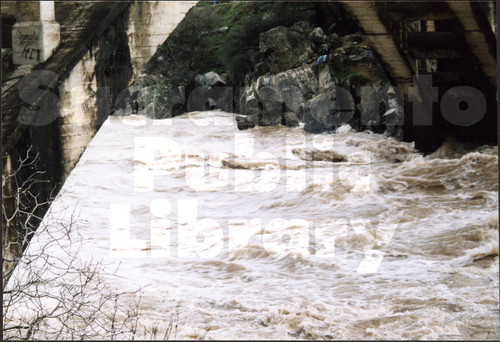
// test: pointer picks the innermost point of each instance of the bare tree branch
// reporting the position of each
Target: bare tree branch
(48, 291)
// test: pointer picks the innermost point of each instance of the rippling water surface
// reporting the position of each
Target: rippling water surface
(283, 221)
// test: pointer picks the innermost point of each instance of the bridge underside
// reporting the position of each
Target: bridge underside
(454, 42)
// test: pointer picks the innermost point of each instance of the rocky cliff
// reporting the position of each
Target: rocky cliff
(349, 87)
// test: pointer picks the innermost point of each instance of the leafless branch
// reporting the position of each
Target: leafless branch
(48, 291)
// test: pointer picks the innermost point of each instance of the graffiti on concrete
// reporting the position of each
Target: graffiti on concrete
(31, 53)
(29, 39)
(30, 42)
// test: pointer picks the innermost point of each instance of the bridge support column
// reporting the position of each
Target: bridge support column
(36, 33)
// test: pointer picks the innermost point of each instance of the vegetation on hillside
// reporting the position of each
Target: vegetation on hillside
(225, 37)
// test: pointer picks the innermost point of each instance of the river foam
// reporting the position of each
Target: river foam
(283, 221)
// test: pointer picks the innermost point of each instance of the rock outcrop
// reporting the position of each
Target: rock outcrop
(272, 80)
(292, 87)
(210, 79)
(350, 87)
(265, 53)
(150, 96)
(210, 94)
(286, 48)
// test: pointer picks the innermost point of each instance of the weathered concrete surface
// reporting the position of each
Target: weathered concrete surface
(73, 91)
(103, 44)
(381, 41)
(81, 25)
(89, 49)
(150, 23)
(145, 26)
(36, 34)
(480, 39)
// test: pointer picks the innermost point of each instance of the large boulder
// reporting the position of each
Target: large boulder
(314, 127)
(247, 121)
(210, 98)
(275, 45)
(372, 105)
(352, 50)
(210, 79)
(249, 104)
(291, 119)
(154, 99)
(271, 106)
(320, 109)
(325, 80)
(286, 48)
(356, 55)
(123, 104)
(150, 96)
(328, 110)
(381, 108)
(302, 27)
(291, 87)
(210, 94)
(318, 36)
(394, 116)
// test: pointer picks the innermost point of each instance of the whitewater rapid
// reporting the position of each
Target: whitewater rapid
(260, 234)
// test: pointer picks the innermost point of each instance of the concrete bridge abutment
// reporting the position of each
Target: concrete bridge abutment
(36, 34)
(79, 55)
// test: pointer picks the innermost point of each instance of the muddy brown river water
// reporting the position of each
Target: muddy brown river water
(274, 233)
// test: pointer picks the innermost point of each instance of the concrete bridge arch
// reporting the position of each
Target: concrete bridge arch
(70, 61)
